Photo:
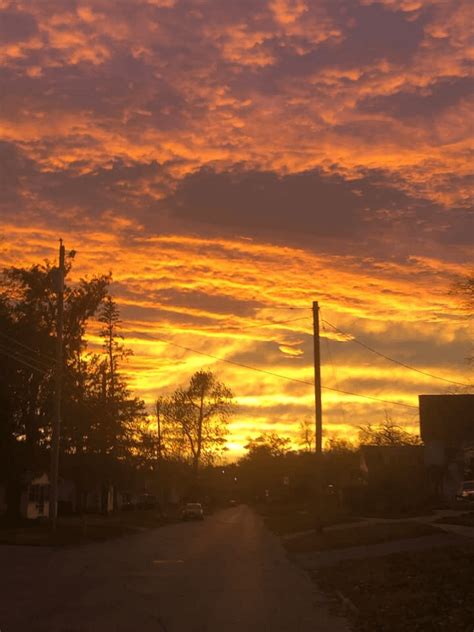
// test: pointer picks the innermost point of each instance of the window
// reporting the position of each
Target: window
(38, 493)
(33, 495)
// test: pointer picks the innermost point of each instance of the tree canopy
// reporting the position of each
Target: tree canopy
(100, 418)
(196, 417)
(386, 434)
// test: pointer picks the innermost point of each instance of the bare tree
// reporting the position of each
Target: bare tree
(337, 445)
(196, 418)
(386, 434)
(464, 288)
(306, 435)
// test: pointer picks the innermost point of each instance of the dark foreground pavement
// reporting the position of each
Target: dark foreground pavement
(225, 574)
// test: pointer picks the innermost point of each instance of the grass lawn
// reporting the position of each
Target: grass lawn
(358, 536)
(76, 530)
(466, 519)
(426, 591)
(285, 518)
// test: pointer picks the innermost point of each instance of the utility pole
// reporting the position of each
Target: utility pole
(319, 504)
(317, 381)
(59, 274)
(159, 454)
(158, 427)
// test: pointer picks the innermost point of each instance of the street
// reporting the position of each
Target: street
(225, 574)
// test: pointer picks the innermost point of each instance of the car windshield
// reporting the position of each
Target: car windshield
(193, 506)
(468, 486)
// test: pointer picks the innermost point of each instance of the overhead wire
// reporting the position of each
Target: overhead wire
(28, 348)
(278, 375)
(395, 361)
(22, 360)
(333, 368)
(27, 361)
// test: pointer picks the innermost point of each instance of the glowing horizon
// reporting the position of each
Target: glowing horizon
(410, 312)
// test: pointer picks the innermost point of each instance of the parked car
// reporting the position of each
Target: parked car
(192, 511)
(466, 491)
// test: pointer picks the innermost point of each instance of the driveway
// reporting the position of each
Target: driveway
(225, 574)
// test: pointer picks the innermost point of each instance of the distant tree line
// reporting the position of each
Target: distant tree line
(275, 469)
(101, 430)
(107, 434)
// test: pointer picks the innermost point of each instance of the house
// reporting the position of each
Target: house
(447, 430)
(35, 498)
(34, 502)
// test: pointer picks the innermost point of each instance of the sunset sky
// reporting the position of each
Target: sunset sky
(231, 162)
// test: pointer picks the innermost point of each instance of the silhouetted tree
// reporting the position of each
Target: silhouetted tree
(264, 466)
(268, 444)
(341, 463)
(336, 445)
(386, 434)
(195, 418)
(306, 435)
(27, 346)
(464, 289)
(121, 410)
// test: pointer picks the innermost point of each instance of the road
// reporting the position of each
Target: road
(225, 574)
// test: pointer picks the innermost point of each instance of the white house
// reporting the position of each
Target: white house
(35, 500)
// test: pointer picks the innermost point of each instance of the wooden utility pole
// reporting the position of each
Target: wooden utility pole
(158, 428)
(59, 274)
(320, 509)
(317, 382)
(159, 454)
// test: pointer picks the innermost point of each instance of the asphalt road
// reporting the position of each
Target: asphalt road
(225, 574)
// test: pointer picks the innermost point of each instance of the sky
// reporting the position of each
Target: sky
(231, 163)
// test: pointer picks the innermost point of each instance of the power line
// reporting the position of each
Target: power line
(28, 361)
(328, 351)
(386, 357)
(28, 348)
(15, 353)
(14, 356)
(284, 307)
(333, 368)
(279, 375)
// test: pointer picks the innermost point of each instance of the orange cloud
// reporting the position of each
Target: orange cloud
(156, 280)
(334, 139)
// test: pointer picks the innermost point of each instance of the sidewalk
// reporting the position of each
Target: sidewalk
(366, 521)
(317, 559)
(449, 534)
